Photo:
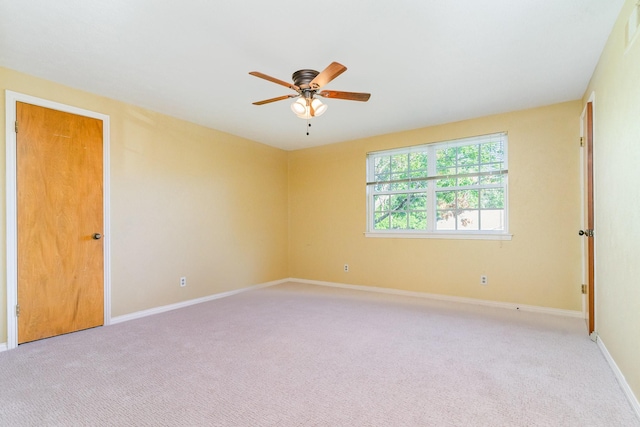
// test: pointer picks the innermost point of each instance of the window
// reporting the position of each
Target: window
(451, 188)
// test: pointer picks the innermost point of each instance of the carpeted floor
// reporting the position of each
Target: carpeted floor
(303, 355)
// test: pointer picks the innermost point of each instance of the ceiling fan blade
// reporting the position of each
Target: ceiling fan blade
(351, 96)
(274, 80)
(331, 72)
(280, 98)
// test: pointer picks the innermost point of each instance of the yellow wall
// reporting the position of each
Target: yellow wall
(616, 86)
(540, 266)
(185, 201)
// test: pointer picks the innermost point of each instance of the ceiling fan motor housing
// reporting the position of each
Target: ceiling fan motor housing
(302, 78)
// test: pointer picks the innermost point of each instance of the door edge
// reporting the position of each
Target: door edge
(583, 114)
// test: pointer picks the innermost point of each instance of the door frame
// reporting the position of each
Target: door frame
(11, 203)
(583, 223)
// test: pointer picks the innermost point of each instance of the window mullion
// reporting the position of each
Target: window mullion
(431, 189)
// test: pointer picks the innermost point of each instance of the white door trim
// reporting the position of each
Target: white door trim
(11, 203)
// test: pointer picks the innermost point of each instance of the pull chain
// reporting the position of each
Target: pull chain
(308, 126)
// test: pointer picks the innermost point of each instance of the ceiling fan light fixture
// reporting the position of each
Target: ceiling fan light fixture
(318, 107)
(299, 107)
(302, 110)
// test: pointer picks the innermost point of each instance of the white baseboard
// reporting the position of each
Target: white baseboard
(510, 306)
(633, 400)
(496, 304)
(164, 308)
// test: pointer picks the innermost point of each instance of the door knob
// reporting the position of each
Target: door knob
(96, 236)
(587, 232)
(581, 233)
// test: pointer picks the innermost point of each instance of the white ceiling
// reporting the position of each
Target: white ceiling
(425, 62)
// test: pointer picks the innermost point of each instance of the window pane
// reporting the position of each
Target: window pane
(468, 220)
(417, 185)
(381, 203)
(468, 155)
(445, 158)
(467, 199)
(399, 163)
(491, 167)
(382, 187)
(446, 182)
(399, 186)
(381, 221)
(382, 165)
(469, 169)
(492, 219)
(418, 201)
(445, 220)
(467, 181)
(445, 170)
(381, 177)
(418, 164)
(492, 152)
(398, 202)
(399, 175)
(492, 198)
(446, 199)
(418, 220)
(491, 179)
(398, 220)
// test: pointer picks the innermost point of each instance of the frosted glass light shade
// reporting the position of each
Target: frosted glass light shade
(318, 107)
(301, 109)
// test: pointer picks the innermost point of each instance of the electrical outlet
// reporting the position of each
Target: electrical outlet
(346, 268)
(484, 280)
(183, 282)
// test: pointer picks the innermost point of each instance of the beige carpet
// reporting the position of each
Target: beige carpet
(301, 355)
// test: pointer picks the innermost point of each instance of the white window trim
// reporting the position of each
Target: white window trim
(432, 233)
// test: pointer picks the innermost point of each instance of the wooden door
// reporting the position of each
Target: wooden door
(59, 211)
(588, 232)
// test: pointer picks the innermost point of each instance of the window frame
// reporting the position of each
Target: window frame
(431, 178)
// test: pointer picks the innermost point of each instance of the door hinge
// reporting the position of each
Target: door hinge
(581, 141)
(17, 310)
(16, 126)
(584, 289)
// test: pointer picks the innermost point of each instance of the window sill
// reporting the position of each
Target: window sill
(443, 235)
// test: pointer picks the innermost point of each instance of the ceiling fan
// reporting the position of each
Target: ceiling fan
(307, 84)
